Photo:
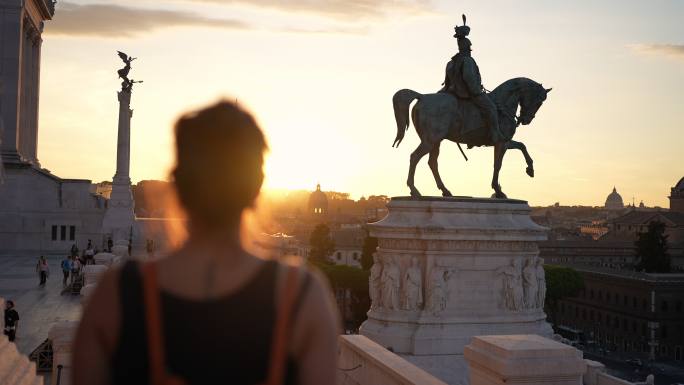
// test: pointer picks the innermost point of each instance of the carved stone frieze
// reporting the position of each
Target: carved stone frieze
(449, 245)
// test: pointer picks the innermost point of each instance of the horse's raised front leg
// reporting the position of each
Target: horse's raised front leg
(499, 151)
(520, 146)
(422, 149)
(434, 166)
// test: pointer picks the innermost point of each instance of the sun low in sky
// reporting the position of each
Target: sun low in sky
(319, 75)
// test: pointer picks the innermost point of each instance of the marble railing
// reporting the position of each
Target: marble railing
(362, 361)
(596, 375)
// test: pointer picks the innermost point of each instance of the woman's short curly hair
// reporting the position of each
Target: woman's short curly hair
(219, 163)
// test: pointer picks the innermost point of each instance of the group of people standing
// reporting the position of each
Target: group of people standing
(71, 264)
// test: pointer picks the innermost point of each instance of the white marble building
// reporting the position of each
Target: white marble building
(41, 213)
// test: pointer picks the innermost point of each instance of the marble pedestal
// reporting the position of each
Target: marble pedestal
(449, 269)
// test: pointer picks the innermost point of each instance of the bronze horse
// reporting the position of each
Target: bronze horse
(442, 116)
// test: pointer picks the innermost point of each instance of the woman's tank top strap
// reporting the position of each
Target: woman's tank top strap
(205, 340)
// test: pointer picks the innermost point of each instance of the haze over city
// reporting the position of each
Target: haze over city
(311, 192)
(320, 80)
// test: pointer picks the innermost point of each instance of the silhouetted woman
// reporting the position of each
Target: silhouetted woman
(210, 313)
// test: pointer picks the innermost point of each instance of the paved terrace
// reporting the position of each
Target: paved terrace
(38, 307)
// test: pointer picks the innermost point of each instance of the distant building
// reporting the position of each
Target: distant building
(635, 314)
(630, 225)
(348, 245)
(318, 205)
(677, 197)
(103, 189)
(278, 245)
(614, 201)
(587, 252)
(595, 229)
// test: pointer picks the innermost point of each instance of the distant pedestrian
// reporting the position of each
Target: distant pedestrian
(11, 321)
(89, 253)
(74, 250)
(43, 270)
(75, 269)
(66, 269)
(110, 244)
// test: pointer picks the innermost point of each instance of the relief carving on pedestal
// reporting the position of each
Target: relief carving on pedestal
(413, 286)
(375, 283)
(512, 296)
(530, 283)
(541, 283)
(439, 290)
(523, 287)
(390, 281)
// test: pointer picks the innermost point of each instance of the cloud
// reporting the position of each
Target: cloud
(115, 21)
(341, 9)
(672, 50)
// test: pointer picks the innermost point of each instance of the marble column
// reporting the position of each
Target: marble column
(123, 148)
(12, 35)
(119, 220)
(24, 82)
(37, 45)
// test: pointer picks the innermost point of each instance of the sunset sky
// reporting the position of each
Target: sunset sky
(319, 75)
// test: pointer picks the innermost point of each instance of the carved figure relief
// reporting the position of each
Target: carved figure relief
(439, 291)
(530, 284)
(390, 284)
(512, 291)
(413, 286)
(375, 283)
(541, 283)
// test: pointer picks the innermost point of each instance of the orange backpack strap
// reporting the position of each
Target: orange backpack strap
(155, 339)
(282, 328)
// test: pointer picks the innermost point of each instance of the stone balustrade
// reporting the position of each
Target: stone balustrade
(596, 375)
(92, 273)
(523, 359)
(62, 335)
(362, 361)
(106, 259)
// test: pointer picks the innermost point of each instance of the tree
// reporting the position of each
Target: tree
(322, 245)
(351, 280)
(369, 246)
(561, 282)
(651, 249)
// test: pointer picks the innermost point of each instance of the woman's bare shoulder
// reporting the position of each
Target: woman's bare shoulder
(101, 313)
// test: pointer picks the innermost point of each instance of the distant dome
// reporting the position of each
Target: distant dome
(677, 197)
(318, 202)
(614, 201)
(679, 187)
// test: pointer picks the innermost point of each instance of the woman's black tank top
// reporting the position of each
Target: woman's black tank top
(226, 340)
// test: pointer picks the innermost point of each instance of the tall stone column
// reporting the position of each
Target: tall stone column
(119, 220)
(449, 269)
(35, 90)
(12, 35)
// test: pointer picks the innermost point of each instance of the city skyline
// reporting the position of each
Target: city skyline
(602, 126)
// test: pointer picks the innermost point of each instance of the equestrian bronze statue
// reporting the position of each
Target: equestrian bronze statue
(463, 112)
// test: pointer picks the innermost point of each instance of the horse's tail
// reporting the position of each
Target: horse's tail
(401, 101)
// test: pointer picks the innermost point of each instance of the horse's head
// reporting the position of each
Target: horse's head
(533, 97)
